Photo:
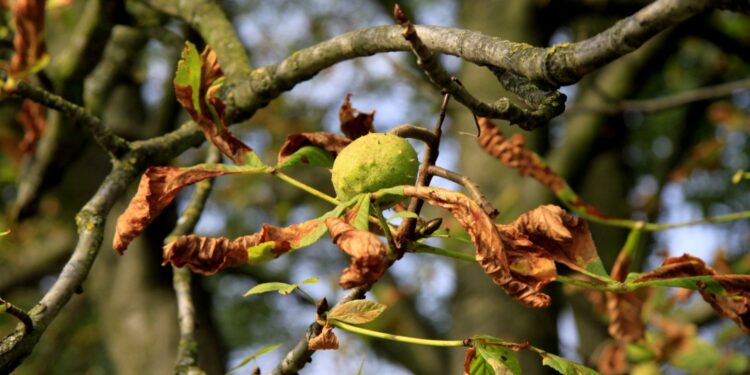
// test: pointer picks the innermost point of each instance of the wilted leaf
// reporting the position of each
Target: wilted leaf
(197, 79)
(251, 357)
(157, 189)
(357, 311)
(490, 249)
(367, 251)
(329, 142)
(354, 123)
(34, 123)
(565, 366)
(624, 309)
(729, 295)
(612, 359)
(30, 51)
(325, 340)
(512, 153)
(208, 255)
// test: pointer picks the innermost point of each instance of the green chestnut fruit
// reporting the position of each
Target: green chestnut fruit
(373, 162)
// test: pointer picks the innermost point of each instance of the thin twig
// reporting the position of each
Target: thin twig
(187, 350)
(407, 227)
(665, 102)
(467, 183)
(28, 324)
(414, 132)
(103, 135)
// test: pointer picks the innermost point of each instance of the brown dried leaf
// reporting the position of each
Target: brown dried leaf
(327, 141)
(28, 42)
(612, 359)
(564, 237)
(624, 309)
(208, 255)
(325, 340)
(490, 248)
(734, 304)
(470, 353)
(512, 153)
(157, 189)
(367, 251)
(215, 129)
(354, 123)
(34, 124)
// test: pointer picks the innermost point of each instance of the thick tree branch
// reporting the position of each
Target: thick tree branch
(209, 20)
(559, 65)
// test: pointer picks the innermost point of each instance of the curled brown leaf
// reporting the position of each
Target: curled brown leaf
(470, 353)
(157, 189)
(369, 254)
(28, 42)
(354, 123)
(489, 246)
(512, 153)
(611, 359)
(208, 255)
(624, 309)
(34, 124)
(326, 340)
(215, 129)
(733, 304)
(330, 142)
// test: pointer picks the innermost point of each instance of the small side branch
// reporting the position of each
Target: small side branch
(300, 355)
(187, 351)
(28, 324)
(467, 183)
(501, 109)
(103, 135)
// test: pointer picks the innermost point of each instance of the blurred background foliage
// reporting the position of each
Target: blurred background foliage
(670, 165)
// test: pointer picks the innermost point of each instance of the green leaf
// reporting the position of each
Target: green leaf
(3, 307)
(262, 252)
(495, 360)
(309, 155)
(362, 220)
(565, 366)
(357, 312)
(403, 215)
(282, 288)
(5, 233)
(313, 236)
(252, 160)
(596, 267)
(189, 73)
(253, 356)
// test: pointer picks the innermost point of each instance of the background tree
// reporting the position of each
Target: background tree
(654, 130)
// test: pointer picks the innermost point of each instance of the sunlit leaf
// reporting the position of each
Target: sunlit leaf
(253, 356)
(357, 311)
(403, 215)
(275, 286)
(500, 360)
(362, 219)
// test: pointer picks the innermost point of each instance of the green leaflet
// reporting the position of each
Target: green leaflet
(310, 155)
(565, 366)
(357, 311)
(361, 221)
(281, 288)
(253, 356)
(189, 73)
(495, 360)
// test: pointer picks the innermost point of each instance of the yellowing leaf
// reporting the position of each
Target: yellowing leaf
(357, 312)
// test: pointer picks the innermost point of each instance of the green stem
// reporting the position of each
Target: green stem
(386, 232)
(404, 339)
(305, 187)
(423, 248)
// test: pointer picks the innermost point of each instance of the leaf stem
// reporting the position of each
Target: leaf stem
(399, 338)
(291, 181)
